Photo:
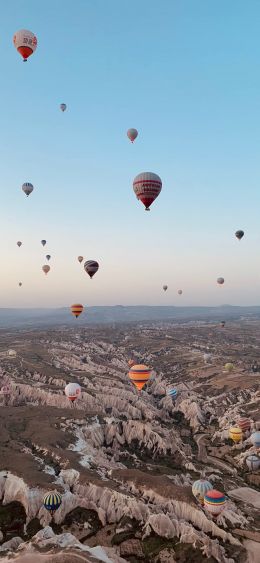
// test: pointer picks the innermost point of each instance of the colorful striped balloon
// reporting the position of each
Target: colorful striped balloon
(235, 433)
(147, 187)
(244, 424)
(76, 309)
(253, 462)
(52, 502)
(172, 393)
(200, 488)
(139, 375)
(215, 502)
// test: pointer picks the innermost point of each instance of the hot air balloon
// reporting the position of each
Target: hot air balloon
(20, 284)
(220, 281)
(147, 187)
(63, 107)
(48, 257)
(27, 188)
(139, 374)
(52, 502)
(76, 309)
(244, 424)
(19, 243)
(179, 291)
(255, 439)
(200, 488)
(239, 234)
(91, 267)
(236, 434)
(43, 242)
(222, 324)
(25, 42)
(46, 269)
(165, 287)
(253, 462)
(72, 391)
(132, 134)
(206, 358)
(172, 393)
(80, 259)
(6, 389)
(229, 367)
(214, 502)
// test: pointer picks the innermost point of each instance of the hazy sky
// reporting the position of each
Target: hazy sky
(186, 74)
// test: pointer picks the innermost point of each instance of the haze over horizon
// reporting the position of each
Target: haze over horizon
(192, 91)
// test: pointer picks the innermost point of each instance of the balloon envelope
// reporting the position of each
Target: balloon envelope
(46, 268)
(52, 501)
(63, 107)
(239, 234)
(91, 267)
(172, 393)
(200, 489)
(76, 309)
(253, 462)
(80, 259)
(25, 42)
(220, 281)
(19, 243)
(255, 439)
(72, 391)
(235, 433)
(48, 256)
(214, 502)
(139, 374)
(165, 287)
(244, 424)
(27, 188)
(43, 242)
(132, 134)
(229, 367)
(179, 291)
(20, 284)
(147, 187)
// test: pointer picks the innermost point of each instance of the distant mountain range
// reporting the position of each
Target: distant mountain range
(25, 318)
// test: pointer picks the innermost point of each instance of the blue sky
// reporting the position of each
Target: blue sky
(186, 75)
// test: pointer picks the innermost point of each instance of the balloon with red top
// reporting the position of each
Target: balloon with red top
(147, 187)
(215, 502)
(25, 42)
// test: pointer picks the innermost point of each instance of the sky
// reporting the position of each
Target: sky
(186, 75)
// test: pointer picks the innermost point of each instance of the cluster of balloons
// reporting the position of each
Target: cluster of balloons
(241, 431)
(45, 268)
(214, 501)
(165, 287)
